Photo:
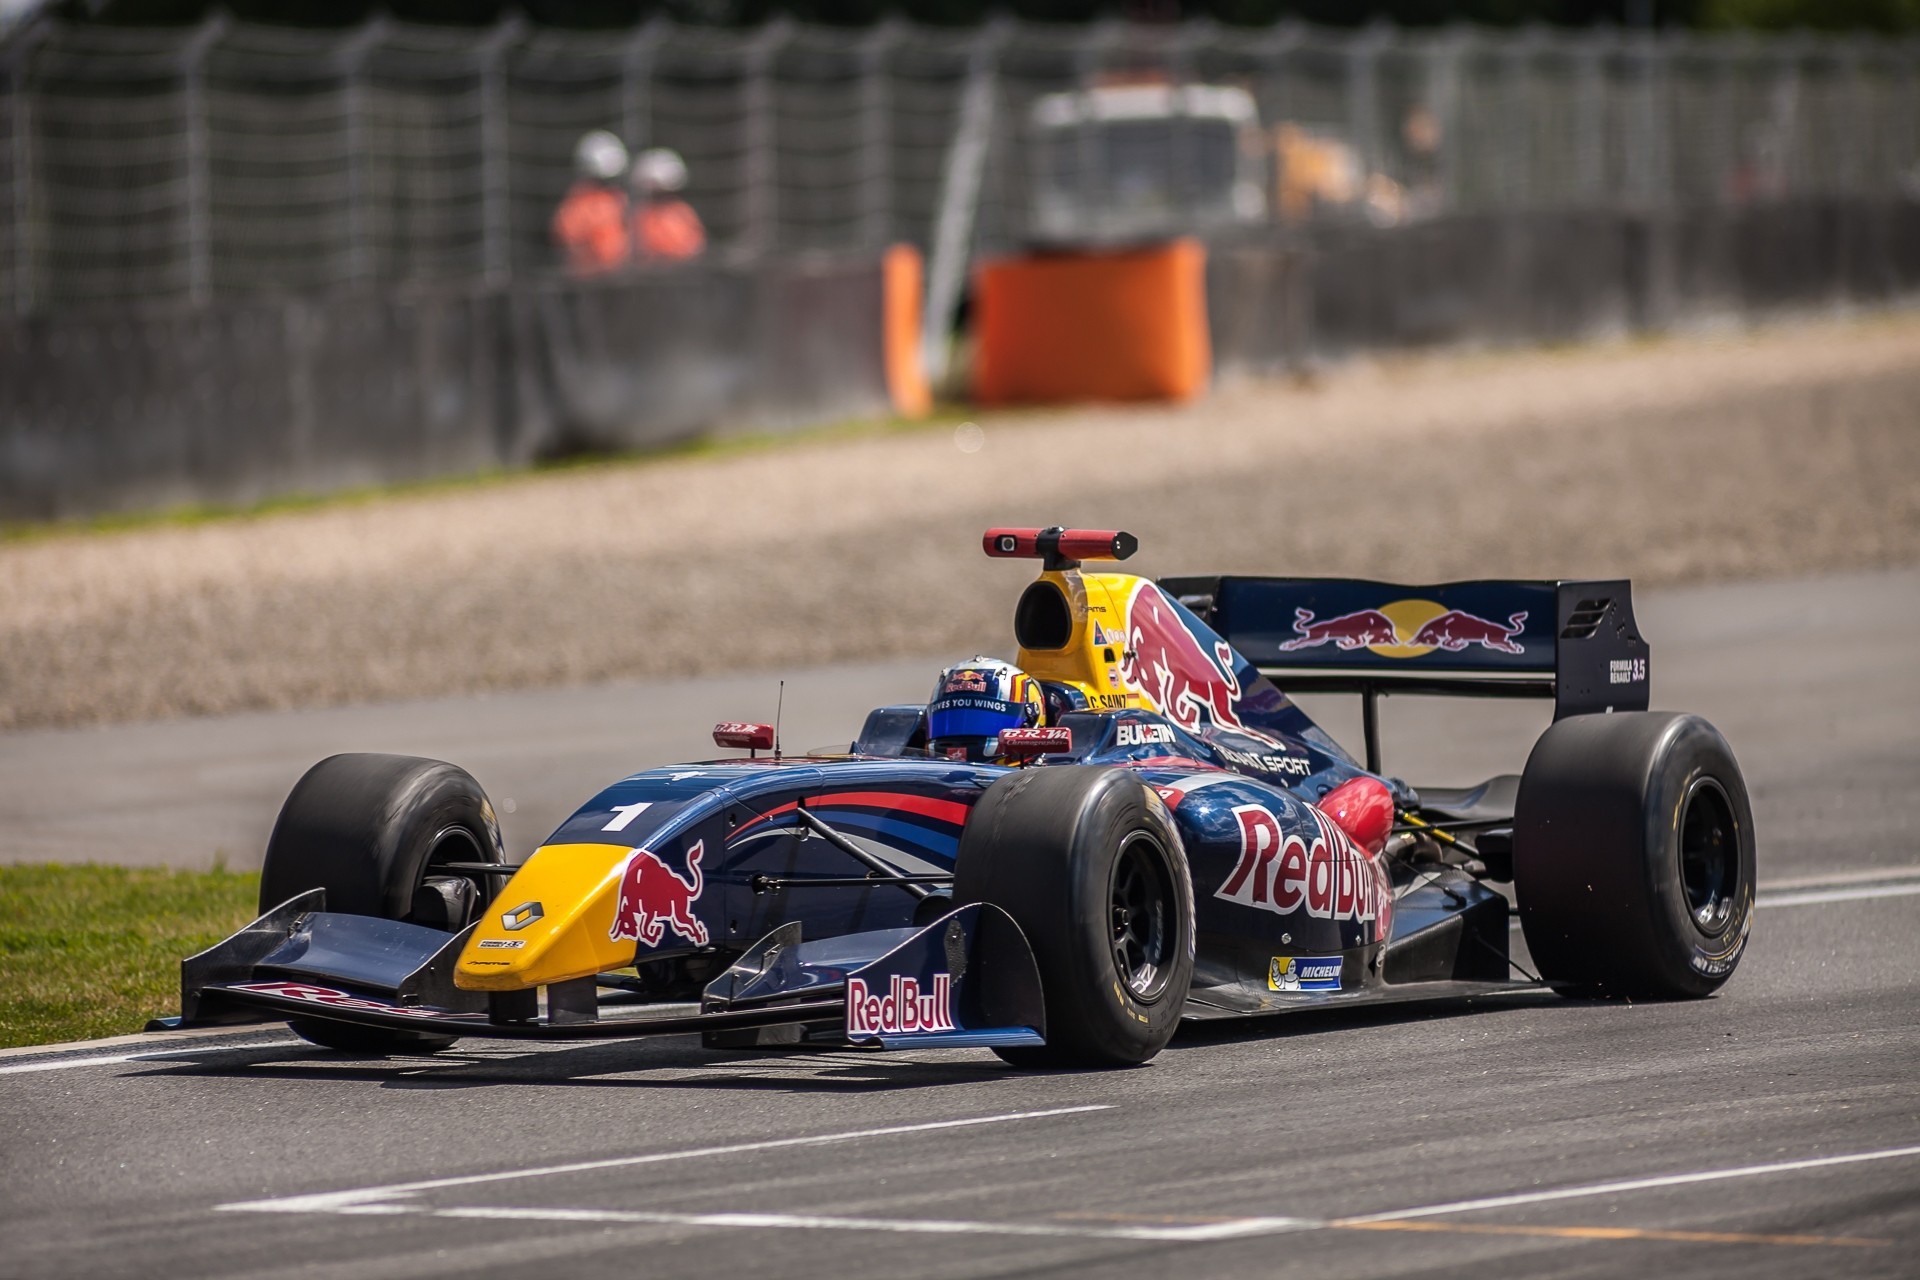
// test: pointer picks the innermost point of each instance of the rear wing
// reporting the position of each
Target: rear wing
(1573, 642)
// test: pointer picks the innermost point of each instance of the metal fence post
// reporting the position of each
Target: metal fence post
(759, 166)
(1590, 129)
(496, 262)
(876, 126)
(1363, 96)
(1446, 55)
(199, 181)
(19, 72)
(636, 81)
(353, 63)
(959, 199)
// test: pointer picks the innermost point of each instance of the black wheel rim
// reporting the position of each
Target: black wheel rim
(1709, 856)
(1141, 917)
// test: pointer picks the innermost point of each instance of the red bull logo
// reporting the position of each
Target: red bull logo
(903, 1011)
(1169, 666)
(1406, 629)
(1328, 878)
(654, 899)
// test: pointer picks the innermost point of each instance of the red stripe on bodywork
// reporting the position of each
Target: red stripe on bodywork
(951, 812)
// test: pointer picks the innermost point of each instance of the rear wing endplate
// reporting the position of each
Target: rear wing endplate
(1574, 642)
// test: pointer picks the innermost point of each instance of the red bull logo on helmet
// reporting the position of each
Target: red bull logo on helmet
(654, 899)
(903, 1011)
(1187, 682)
(1405, 629)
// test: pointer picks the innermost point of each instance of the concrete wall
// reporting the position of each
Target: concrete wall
(150, 406)
(1516, 278)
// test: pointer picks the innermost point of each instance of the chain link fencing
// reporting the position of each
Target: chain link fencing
(228, 160)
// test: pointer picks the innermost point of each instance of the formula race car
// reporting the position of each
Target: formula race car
(1162, 834)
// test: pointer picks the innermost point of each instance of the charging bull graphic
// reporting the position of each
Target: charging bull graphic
(653, 899)
(1348, 631)
(1454, 631)
(1451, 630)
(1167, 662)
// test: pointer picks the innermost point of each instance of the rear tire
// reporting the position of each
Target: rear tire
(372, 830)
(1088, 863)
(1633, 856)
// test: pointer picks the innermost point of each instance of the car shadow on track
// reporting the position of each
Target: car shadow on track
(679, 1063)
(1319, 1022)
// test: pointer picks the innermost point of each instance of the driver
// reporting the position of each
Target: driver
(974, 701)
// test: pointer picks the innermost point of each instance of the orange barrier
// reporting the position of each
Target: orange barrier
(1126, 325)
(902, 289)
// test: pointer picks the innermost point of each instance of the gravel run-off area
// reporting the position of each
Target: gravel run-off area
(1787, 450)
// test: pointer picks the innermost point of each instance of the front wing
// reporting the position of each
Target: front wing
(967, 979)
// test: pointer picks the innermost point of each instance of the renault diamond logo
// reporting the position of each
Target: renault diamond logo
(522, 916)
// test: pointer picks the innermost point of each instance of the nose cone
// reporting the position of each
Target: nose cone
(551, 923)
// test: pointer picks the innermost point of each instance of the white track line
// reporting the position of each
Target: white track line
(1234, 1228)
(1630, 1184)
(1812, 896)
(107, 1060)
(336, 1201)
(1192, 1233)
(1809, 897)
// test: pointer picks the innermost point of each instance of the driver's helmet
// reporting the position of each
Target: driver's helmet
(974, 701)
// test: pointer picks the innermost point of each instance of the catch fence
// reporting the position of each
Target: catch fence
(235, 161)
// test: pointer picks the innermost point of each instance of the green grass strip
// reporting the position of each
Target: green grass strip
(91, 950)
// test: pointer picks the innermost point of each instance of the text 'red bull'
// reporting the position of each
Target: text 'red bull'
(1329, 878)
(653, 899)
(904, 1010)
(1166, 662)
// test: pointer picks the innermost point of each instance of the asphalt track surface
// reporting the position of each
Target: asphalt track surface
(1772, 1130)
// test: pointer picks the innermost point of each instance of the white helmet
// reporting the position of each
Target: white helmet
(659, 169)
(600, 155)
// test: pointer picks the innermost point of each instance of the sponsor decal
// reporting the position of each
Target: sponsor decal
(521, 916)
(1714, 964)
(1166, 662)
(502, 944)
(1264, 762)
(1131, 733)
(965, 681)
(1303, 973)
(654, 899)
(1033, 742)
(1405, 629)
(1626, 671)
(1328, 878)
(904, 1010)
(333, 999)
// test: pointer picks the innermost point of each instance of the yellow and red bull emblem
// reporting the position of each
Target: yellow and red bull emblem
(654, 898)
(1405, 629)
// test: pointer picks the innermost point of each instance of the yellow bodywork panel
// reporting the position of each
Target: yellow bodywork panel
(574, 889)
(1092, 658)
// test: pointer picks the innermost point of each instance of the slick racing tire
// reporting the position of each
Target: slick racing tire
(1089, 865)
(1633, 856)
(374, 831)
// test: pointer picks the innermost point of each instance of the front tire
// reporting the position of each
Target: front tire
(1088, 863)
(375, 831)
(1633, 856)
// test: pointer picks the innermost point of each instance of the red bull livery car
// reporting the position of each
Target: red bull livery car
(1163, 834)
